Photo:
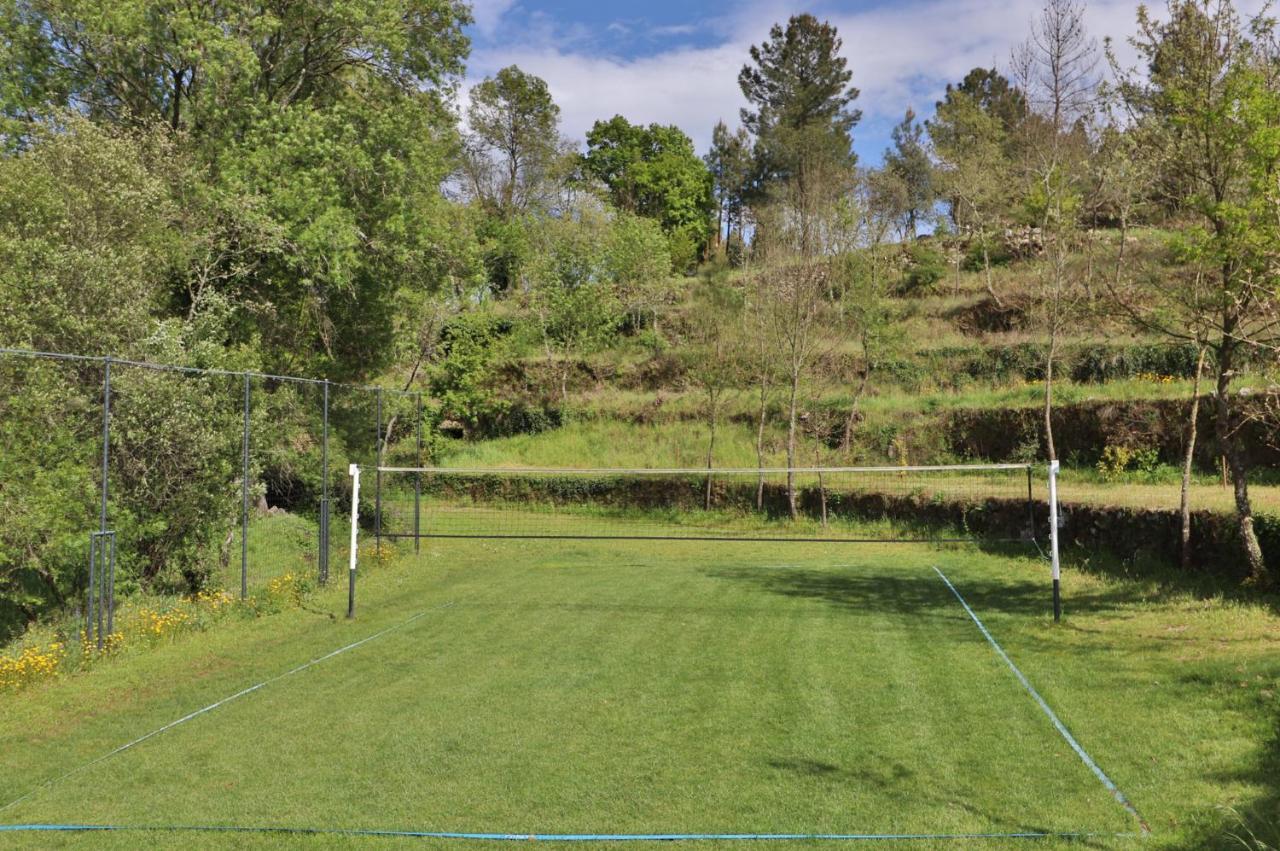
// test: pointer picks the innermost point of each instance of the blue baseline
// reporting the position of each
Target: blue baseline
(561, 837)
(1106, 781)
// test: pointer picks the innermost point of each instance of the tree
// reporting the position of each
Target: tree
(323, 133)
(514, 145)
(1204, 119)
(974, 171)
(711, 353)
(638, 261)
(801, 102)
(211, 69)
(654, 172)
(729, 162)
(797, 313)
(572, 296)
(1056, 64)
(865, 315)
(992, 93)
(909, 162)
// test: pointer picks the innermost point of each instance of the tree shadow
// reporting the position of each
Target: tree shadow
(922, 593)
(1254, 823)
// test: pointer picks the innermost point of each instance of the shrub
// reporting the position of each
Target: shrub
(925, 267)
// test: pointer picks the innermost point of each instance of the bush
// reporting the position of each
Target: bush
(925, 267)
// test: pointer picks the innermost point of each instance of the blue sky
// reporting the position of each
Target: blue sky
(676, 61)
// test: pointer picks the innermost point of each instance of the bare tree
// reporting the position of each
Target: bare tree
(1056, 66)
(797, 311)
(713, 354)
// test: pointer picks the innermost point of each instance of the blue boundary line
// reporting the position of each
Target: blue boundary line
(212, 706)
(563, 837)
(1053, 717)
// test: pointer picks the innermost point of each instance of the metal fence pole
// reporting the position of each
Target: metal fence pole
(354, 472)
(324, 491)
(417, 486)
(244, 497)
(93, 587)
(111, 587)
(106, 440)
(1053, 540)
(377, 492)
(97, 546)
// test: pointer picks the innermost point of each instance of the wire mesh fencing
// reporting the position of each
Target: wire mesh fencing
(116, 474)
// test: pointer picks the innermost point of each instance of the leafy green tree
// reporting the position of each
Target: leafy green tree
(89, 238)
(1205, 122)
(654, 172)
(514, 148)
(974, 173)
(638, 261)
(909, 161)
(211, 69)
(572, 297)
(321, 129)
(473, 348)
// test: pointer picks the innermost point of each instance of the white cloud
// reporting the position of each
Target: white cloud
(489, 14)
(901, 55)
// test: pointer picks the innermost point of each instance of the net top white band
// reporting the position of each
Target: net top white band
(698, 471)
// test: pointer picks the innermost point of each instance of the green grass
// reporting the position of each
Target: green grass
(686, 686)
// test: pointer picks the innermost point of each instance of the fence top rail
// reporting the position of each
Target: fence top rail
(195, 370)
(694, 471)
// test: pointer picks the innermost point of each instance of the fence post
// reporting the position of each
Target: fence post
(354, 472)
(97, 545)
(106, 439)
(323, 553)
(377, 493)
(417, 487)
(90, 609)
(244, 497)
(1053, 540)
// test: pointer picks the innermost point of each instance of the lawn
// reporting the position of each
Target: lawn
(686, 687)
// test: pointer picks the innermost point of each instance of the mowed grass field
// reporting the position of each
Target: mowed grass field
(674, 687)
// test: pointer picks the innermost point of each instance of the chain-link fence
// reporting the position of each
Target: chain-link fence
(117, 474)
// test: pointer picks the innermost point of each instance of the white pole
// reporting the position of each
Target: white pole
(354, 472)
(1053, 540)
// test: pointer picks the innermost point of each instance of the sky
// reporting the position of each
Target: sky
(677, 61)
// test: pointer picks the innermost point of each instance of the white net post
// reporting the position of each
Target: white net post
(354, 471)
(1053, 540)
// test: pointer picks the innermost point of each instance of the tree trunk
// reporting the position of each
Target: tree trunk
(986, 265)
(1228, 443)
(711, 447)
(791, 446)
(846, 440)
(817, 462)
(764, 404)
(1048, 394)
(1184, 504)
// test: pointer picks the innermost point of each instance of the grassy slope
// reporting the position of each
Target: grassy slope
(604, 686)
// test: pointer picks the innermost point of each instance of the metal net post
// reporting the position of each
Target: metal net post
(417, 485)
(377, 491)
(323, 551)
(244, 497)
(354, 472)
(1053, 541)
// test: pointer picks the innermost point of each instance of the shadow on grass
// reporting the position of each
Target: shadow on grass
(918, 593)
(1166, 577)
(1253, 825)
